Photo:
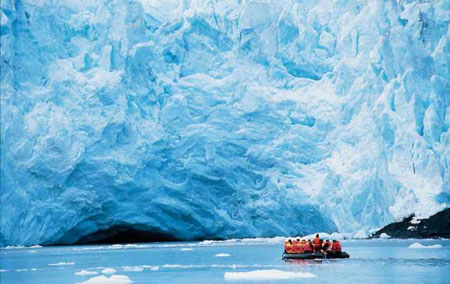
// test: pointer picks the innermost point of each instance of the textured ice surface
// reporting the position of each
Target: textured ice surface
(205, 119)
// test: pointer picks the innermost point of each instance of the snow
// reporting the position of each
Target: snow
(420, 246)
(266, 275)
(186, 249)
(114, 279)
(252, 118)
(85, 272)
(384, 236)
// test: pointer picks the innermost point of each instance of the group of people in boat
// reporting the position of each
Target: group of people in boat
(316, 245)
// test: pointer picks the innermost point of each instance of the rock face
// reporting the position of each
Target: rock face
(437, 226)
(220, 119)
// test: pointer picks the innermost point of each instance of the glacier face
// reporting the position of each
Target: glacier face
(219, 119)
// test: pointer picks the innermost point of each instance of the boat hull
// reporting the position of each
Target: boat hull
(314, 255)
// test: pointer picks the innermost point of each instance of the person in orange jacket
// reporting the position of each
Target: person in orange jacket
(337, 248)
(317, 243)
(326, 247)
(288, 246)
(308, 247)
(295, 246)
(301, 247)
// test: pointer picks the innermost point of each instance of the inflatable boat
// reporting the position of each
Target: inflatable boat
(314, 255)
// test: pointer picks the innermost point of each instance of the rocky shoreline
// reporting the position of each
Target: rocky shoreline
(436, 226)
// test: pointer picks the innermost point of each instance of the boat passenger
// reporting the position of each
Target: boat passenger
(317, 243)
(337, 248)
(325, 246)
(302, 246)
(308, 247)
(296, 246)
(288, 246)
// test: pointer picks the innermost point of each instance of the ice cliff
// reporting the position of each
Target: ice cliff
(219, 119)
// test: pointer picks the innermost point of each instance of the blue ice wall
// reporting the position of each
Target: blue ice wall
(221, 119)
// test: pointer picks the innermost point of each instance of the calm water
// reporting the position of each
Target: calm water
(372, 261)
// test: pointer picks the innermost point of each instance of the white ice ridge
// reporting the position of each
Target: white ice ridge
(266, 275)
(420, 246)
(329, 116)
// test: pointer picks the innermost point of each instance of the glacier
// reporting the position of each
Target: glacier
(210, 119)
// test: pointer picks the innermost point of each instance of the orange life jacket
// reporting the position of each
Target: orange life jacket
(316, 242)
(288, 247)
(308, 247)
(296, 247)
(337, 247)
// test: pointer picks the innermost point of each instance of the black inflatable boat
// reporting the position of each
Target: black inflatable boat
(314, 255)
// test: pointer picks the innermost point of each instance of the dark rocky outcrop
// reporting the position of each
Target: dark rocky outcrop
(437, 226)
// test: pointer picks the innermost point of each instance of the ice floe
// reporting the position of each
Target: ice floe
(420, 246)
(222, 255)
(384, 236)
(85, 272)
(114, 279)
(108, 271)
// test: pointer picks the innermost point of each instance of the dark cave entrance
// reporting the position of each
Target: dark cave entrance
(120, 234)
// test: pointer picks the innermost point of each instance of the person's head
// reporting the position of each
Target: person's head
(290, 241)
(328, 241)
(298, 240)
(317, 235)
(334, 241)
(309, 240)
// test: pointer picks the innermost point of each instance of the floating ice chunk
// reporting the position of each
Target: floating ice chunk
(175, 266)
(411, 228)
(420, 246)
(3, 270)
(85, 272)
(384, 236)
(260, 275)
(186, 249)
(151, 267)
(36, 246)
(14, 247)
(62, 263)
(114, 279)
(108, 271)
(132, 268)
(222, 255)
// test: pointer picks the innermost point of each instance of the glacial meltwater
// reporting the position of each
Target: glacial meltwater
(231, 261)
